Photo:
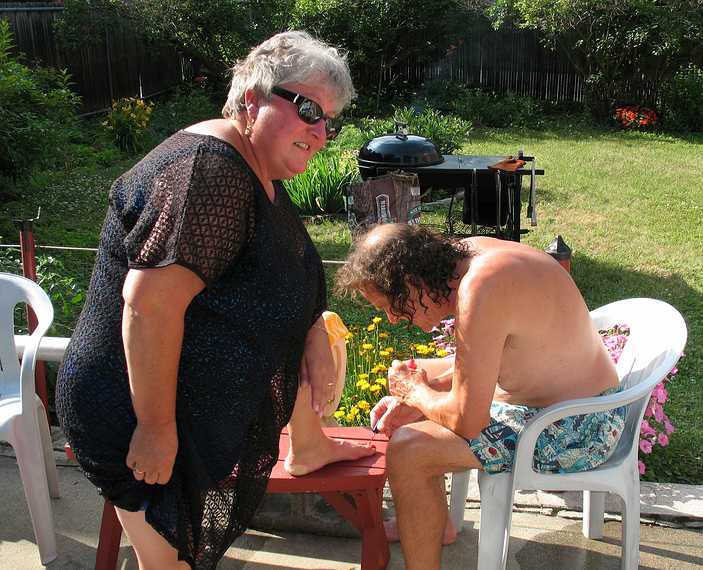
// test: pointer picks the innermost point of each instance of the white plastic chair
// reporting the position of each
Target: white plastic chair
(23, 422)
(655, 343)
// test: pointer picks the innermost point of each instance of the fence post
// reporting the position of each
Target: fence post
(29, 270)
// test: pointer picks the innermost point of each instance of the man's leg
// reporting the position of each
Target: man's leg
(418, 456)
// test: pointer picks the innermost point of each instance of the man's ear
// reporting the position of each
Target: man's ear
(252, 100)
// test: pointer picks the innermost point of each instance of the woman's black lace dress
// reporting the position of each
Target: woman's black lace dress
(194, 201)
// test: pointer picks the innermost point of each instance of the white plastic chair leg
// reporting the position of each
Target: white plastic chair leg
(593, 514)
(457, 498)
(48, 450)
(30, 460)
(496, 518)
(631, 527)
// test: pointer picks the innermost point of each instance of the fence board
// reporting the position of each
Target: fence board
(119, 65)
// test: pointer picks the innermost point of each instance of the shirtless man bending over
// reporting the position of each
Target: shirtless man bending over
(524, 340)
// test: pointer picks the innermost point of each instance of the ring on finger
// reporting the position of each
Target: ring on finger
(138, 471)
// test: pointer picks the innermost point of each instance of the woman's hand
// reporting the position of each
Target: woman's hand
(390, 414)
(152, 452)
(317, 367)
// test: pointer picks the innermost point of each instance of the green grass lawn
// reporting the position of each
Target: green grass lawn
(630, 205)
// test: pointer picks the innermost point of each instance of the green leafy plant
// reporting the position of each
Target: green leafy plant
(447, 132)
(127, 120)
(321, 188)
(185, 107)
(480, 107)
(37, 112)
(683, 99)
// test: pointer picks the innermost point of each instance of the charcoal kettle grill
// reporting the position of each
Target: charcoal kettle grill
(492, 197)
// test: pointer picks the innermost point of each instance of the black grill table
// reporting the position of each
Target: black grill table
(491, 197)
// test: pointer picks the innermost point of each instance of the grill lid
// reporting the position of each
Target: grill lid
(399, 149)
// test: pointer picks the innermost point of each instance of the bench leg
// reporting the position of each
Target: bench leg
(365, 514)
(109, 541)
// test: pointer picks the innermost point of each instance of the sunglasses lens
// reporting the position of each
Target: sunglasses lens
(310, 112)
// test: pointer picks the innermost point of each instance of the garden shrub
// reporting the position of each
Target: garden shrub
(127, 121)
(447, 132)
(37, 112)
(185, 107)
(683, 100)
(480, 107)
(322, 187)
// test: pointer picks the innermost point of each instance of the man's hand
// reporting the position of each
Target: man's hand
(152, 453)
(317, 368)
(403, 381)
(390, 414)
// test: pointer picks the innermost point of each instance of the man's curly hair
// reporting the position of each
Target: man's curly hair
(392, 258)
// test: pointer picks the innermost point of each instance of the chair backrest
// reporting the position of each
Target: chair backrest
(16, 380)
(655, 343)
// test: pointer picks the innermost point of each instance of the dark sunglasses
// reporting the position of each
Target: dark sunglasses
(309, 111)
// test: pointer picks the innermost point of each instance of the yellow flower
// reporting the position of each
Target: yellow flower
(383, 335)
(382, 367)
(367, 346)
(371, 327)
(350, 417)
(377, 320)
(349, 335)
(384, 353)
(441, 352)
(363, 384)
(421, 349)
(375, 388)
(339, 414)
(363, 405)
(390, 350)
(362, 376)
(376, 369)
(381, 381)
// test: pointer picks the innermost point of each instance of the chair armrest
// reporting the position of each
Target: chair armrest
(51, 348)
(527, 441)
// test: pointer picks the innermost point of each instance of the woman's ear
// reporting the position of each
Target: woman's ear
(251, 103)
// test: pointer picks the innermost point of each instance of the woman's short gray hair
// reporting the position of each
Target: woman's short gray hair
(286, 58)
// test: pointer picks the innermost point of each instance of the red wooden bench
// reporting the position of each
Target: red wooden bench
(353, 488)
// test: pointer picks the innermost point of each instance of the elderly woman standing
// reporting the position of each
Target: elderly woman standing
(204, 309)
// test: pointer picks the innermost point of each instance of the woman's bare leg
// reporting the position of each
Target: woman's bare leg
(152, 550)
(310, 449)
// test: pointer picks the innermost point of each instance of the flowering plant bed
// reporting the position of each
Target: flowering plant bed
(634, 116)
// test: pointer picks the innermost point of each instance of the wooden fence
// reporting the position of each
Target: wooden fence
(118, 65)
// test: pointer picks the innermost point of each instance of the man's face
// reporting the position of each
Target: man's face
(425, 318)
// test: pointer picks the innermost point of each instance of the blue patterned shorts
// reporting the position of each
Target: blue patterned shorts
(576, 443)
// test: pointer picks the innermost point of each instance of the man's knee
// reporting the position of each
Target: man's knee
(409, 446)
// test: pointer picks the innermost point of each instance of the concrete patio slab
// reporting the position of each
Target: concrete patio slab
(538, 541)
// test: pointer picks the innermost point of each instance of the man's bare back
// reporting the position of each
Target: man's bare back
(552, 352)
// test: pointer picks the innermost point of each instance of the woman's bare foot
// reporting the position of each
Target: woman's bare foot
(313, 457)
(392, 534)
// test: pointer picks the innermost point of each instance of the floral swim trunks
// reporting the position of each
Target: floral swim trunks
(575, 443)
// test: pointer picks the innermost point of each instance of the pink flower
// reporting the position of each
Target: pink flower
(660, 393)
(646, 446)
(663, 439)
(668, 426)
(658, 412)
(646, 429)
(641, 467)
